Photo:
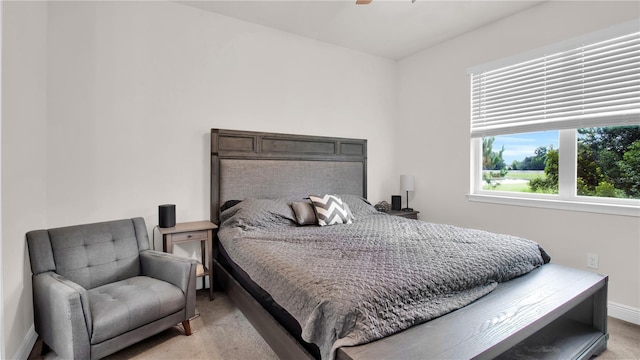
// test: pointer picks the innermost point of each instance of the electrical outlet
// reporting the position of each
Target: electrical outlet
(592, 261)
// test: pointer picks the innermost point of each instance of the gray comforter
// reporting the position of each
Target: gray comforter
(351, 284)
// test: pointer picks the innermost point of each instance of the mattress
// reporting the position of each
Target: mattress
(354, 283)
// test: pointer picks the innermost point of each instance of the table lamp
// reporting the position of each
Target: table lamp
(407, 184)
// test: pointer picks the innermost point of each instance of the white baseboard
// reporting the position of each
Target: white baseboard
(623, 312)
(27, 344)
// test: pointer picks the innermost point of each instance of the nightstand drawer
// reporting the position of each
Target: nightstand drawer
(189, 236)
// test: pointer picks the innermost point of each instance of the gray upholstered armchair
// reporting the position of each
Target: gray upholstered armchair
(97, 288)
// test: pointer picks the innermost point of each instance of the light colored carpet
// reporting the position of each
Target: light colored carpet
(222, 332)
(624, 341)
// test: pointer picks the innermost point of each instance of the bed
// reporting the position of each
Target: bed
(543, 311)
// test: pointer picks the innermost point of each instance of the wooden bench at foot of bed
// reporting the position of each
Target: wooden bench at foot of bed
(554, 312)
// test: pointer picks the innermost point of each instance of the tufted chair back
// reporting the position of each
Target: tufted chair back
(91, 255)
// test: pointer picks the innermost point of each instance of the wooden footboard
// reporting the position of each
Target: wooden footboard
(554, 312)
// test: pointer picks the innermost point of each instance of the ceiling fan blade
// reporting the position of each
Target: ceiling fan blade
(363, 2)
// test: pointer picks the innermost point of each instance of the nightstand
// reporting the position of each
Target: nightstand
(193, 231)
(406, 214)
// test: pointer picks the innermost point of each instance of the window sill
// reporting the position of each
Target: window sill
(592, 207)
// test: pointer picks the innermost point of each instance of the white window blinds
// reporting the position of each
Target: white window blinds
(596, 84)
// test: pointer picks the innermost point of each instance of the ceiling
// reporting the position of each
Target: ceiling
(393, 29)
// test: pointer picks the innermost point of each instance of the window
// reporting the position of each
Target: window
(608, 162)
(560, 126)
(518, 162)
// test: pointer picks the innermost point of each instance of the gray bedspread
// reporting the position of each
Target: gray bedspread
(351, 284)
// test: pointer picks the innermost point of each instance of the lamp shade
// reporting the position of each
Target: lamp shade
(407, 183)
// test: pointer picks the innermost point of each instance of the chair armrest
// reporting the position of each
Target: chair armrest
(175, 270)
(62, 319)
(168, 267)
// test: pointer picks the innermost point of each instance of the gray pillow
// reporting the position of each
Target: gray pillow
(259, 212)
(305, 215)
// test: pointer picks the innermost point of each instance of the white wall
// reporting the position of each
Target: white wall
(135, 87)
(434, 112)
(23, 160)
(1, 285)
(130, 106)
(132, 91)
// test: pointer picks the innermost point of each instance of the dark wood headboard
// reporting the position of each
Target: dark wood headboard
(258, 164)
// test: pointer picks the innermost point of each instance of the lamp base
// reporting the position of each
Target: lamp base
(406, 209)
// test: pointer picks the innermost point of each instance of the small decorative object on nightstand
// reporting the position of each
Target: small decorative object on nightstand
(405, 214)
(193, 231)
(382, 206)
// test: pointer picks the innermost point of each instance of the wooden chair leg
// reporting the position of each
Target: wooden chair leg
(45, 349)
(187, 327)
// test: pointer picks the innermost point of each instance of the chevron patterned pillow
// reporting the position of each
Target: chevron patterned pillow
(331, 210)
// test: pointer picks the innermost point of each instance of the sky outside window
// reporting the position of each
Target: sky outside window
(519, 146)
